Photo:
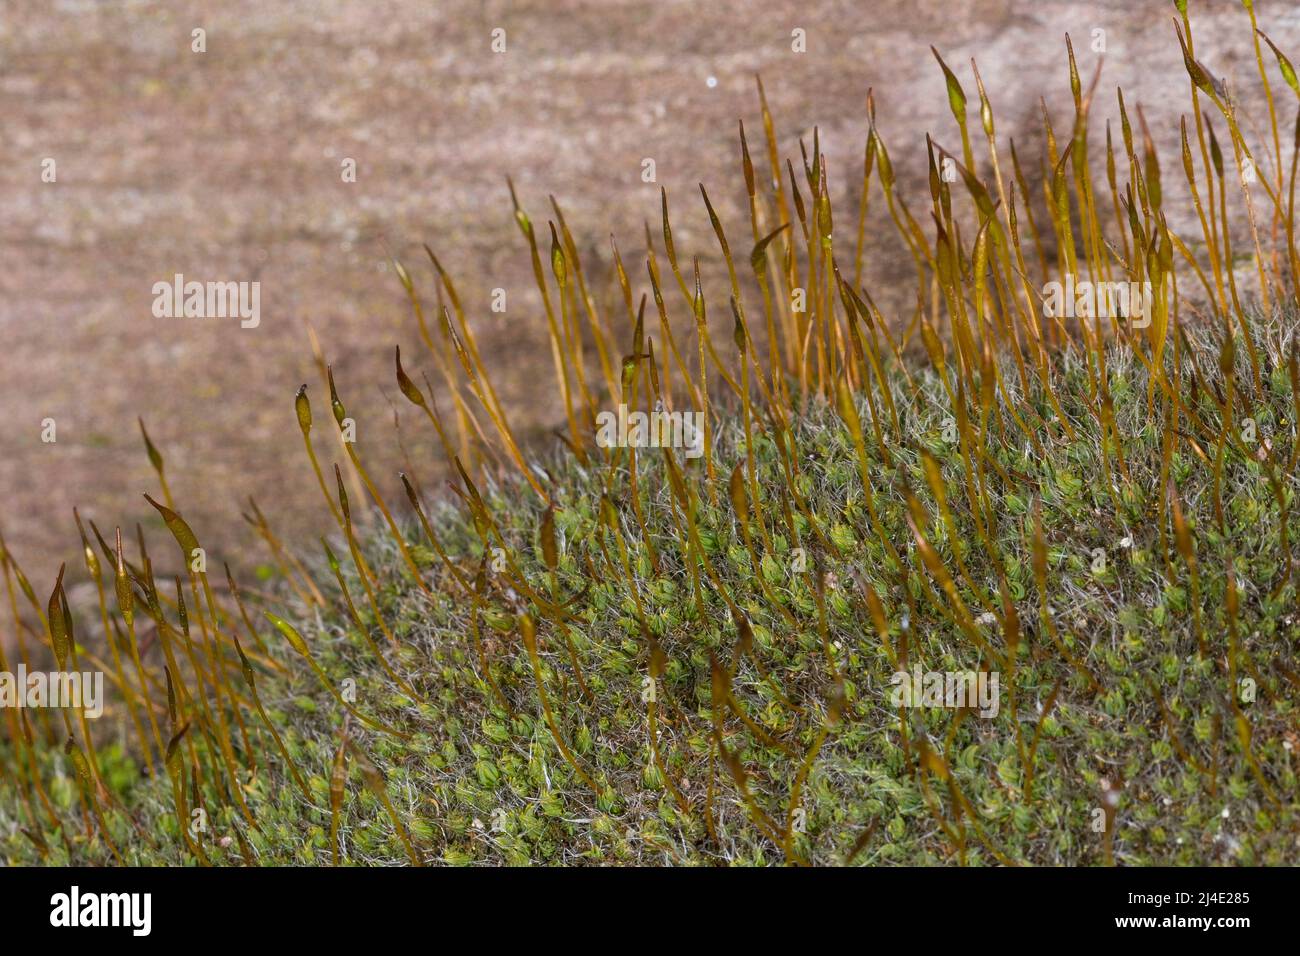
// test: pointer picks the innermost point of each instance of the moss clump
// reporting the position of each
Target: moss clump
(1118, 720)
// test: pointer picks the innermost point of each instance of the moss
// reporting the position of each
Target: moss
(476, 783)
(656, 658)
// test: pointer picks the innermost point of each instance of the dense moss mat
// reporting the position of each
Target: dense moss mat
(1115, 738)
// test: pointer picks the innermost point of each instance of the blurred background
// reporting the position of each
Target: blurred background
(226, 165)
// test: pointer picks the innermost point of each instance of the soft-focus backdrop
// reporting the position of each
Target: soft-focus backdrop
(226, 165)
